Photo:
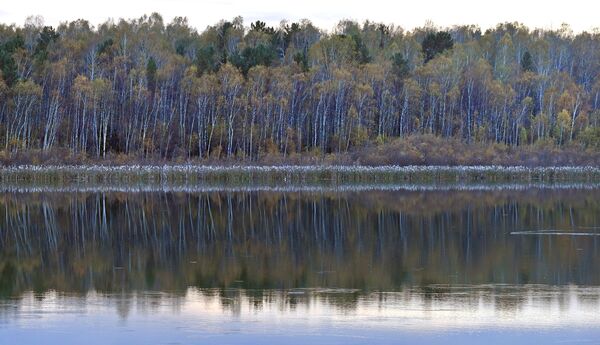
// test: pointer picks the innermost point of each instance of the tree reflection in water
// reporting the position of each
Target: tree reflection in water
(370, 241)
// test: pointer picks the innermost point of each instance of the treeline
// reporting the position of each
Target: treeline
(142, 88)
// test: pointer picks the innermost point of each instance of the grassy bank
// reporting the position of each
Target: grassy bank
(419, 158)
(414, 150)
(190, 174)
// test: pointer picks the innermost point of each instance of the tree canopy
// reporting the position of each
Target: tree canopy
(436, 43)
(147, 88)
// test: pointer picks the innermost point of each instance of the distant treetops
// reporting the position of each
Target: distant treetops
(145, 88)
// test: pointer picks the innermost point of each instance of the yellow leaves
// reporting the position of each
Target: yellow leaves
(591, 137)
(352, 113)
(439, 67)
(496, 90)
(173, 65)
(258, 72)
(93, 89)
(566, 100)
(505, 64)
(528, 102)
(3, 87)
(380, 140)
(413, 88)
(373, 71)
(581, 121)
(81, 85)
(59, 69)
(527, 78)
(363, 90)
(480, 133)
(270, 147)
(292, 140)
(342, 74)
(359, 136)
(281, 80)
(27, 88)
(336, 51)
(14, 143)
(191, 71)
(564, 119)
(101, 87)
(283, 102)
(230, 77)
(454, 93)
(148, 145)
(208, 83)
(564, 91)
(506, 42)
(190, 82)
(416, 122)
(540, 120)
(523, 135)
(434, 89)
(482, 69)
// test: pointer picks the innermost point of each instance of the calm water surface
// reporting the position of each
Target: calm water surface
(296, 266)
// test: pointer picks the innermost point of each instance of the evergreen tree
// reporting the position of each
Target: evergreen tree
(526, 62)
(436, 43)
(400, 66)
(253, 56)
(47, 36)
(205, 60)
(301, 59)
(8, 65)
(151, 75)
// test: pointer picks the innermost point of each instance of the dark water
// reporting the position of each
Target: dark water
(454, 265)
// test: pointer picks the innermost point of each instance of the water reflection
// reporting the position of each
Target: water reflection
(378, 240)
(435, 308)
(336, 266)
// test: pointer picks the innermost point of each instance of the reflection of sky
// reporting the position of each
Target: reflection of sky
(237, 317)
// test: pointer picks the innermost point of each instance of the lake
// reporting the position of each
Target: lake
(338, 264)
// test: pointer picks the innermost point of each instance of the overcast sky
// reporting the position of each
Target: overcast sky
(580, 14)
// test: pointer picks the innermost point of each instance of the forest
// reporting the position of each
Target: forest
(143, 89)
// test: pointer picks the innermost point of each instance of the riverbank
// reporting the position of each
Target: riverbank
(274, 175)
(414, 150)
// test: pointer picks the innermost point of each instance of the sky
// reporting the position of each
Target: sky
(579, 14)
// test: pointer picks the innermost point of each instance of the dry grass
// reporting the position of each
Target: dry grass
(411, 150)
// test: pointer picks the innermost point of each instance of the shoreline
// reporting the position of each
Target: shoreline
(286, 175)
(199, 167)
(134, 188)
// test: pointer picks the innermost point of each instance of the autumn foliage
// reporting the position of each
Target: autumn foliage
(143, 90)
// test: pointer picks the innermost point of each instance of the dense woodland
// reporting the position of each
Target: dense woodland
(144, 89)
